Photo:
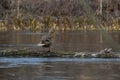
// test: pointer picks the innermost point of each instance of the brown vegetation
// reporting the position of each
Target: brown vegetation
(37, 15)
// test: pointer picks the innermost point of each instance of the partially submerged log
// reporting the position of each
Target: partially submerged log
(37, 53)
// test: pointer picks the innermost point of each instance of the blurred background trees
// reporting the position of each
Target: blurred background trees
(30, 13)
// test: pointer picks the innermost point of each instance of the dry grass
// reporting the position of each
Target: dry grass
(41, 15)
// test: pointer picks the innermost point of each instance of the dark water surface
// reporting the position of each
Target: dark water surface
(59, 69)
(65, 41)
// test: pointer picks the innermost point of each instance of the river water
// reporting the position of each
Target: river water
(59, 69)
(64, 41)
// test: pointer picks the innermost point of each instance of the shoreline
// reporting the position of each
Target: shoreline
(61, 54)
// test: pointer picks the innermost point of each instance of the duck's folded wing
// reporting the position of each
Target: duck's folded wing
(39, 44)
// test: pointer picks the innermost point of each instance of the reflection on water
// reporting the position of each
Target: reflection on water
(59, 69)
(65, 41)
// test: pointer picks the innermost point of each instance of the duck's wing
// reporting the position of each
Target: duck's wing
(40, 44)
(109, 49)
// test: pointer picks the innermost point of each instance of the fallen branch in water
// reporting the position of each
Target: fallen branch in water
(36, 53)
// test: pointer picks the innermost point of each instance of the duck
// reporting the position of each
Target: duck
(46, 40)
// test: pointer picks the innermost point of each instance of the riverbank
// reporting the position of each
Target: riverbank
(37, 53)
(18, 15)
